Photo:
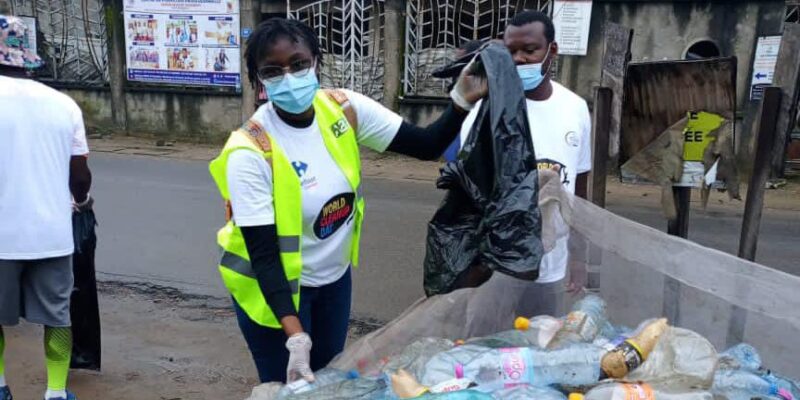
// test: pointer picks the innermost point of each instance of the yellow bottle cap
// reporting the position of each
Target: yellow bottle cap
(522, 324)
(575, 396)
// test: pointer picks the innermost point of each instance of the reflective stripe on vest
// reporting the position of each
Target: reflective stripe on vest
(235, 267)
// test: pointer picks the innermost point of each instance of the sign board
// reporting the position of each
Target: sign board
(616, 54)
(29, 41)
(246, 33)
(183, 42)
(764, 65)
(696, 137)
(572, 19)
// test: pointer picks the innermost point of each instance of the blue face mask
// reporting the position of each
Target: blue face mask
(293, 94)
(532, 74)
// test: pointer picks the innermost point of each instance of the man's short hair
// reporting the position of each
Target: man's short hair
(529, 16)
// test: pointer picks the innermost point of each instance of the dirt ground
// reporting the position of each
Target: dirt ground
(161, 344)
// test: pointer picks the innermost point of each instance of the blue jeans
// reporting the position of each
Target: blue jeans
(325, 315)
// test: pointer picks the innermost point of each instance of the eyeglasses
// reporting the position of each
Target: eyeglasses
(274, 73)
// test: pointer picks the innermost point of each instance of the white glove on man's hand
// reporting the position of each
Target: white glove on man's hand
(299, 346)
(470, 87)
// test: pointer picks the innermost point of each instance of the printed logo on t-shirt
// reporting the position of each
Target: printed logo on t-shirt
(334, 214)
(546, 163)
(572, 139)
(306, 182)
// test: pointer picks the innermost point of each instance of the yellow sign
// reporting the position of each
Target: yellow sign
(696, 134)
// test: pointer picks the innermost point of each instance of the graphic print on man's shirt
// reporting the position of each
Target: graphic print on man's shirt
(334, 214)
(307, 181)
(546, 163)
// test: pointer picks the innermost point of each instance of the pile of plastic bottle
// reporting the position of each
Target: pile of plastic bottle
(579, 356)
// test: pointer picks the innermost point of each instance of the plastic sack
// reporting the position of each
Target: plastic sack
(84, 309)
(489, 219)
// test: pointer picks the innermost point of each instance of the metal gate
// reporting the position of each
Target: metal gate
(435, 28)
(71, 39)
(350, 33)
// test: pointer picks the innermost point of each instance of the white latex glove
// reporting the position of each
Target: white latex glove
(299, 346)
(470, 87)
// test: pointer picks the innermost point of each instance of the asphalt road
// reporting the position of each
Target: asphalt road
(158, 219)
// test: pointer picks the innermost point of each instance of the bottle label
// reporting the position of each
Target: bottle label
(453, 385)
(517, 366)
(580, 323)
(638, 392)
(632, 357)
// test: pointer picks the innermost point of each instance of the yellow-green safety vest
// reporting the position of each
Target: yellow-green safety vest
(235, 268)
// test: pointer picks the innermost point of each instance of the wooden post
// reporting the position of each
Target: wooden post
(787, 77)
(765, 143)
(680, 225)
(601, 128)
(117, 72)
(249, 17)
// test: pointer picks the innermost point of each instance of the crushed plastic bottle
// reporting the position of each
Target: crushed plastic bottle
(682, 360)
(352, 388)
(737, 384)
(533, 332)
(496, 369)
(788, 386)
(528, 392)
(414, 356)
(742, 356)
(582, 324)
(633, 351)
(631, 391)
(324, 377)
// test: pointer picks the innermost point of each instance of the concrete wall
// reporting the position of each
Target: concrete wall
(201, 117)
(665, 30)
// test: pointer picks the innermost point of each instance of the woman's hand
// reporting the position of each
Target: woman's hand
(470, 87)
(299, 346)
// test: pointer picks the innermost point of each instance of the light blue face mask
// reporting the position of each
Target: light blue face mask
(532, 74)
(293, 94)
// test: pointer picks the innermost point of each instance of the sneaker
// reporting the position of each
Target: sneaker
(70, 396)
(5, 393)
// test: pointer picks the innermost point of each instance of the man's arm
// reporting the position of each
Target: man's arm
(80, 178)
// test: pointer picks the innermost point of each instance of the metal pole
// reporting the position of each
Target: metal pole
(765, 142)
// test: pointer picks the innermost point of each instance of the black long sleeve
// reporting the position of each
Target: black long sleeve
(262, 245)
(428, 143)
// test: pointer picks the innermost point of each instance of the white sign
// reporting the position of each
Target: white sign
(183, 41)
(572, 19)
(764, 65)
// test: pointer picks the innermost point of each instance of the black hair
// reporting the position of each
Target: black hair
(529, 16)
(265, 35)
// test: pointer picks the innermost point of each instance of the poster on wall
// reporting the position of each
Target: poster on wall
(29, 41)
(183, 42)
(764, 65)
(572, 19)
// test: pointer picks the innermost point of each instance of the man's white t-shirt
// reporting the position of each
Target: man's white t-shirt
(561, 129)
(328, 199)
(40, 130)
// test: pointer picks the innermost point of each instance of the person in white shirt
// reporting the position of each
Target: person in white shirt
(43, 170)
(285, 56)
(560, 127)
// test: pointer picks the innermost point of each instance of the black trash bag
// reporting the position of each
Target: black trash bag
(84, 309)
(490, 218)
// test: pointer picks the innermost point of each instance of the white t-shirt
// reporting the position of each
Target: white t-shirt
(328, 199)
(40, 129)
(561, 129)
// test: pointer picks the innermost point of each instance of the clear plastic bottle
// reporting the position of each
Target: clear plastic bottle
(533, 332)
(629, 391)
(323, 379)
(528, 392)
(742, 356)
(738, 384)
(496, 369)
(583, 323)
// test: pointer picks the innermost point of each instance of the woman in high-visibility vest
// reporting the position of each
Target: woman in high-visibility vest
(292, 179)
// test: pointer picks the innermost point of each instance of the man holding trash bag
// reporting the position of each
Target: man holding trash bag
(43, 168)
(560, 126)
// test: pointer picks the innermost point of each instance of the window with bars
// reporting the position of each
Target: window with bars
(436, 28)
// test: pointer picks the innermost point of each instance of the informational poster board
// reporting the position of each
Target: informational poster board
(572, 19)
(183, 42)
(30, 36)
(764, 65)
